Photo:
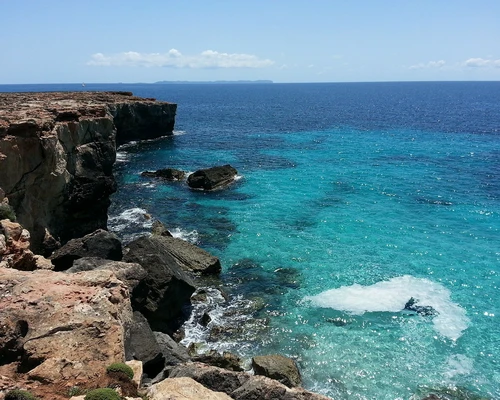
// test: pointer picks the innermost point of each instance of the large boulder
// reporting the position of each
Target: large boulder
(141, 345)
(278, 367)
(212, 178)
(190, 257)
(101, 243)
(183, 389)
(168, 174)
(240, 385)
(173, 352)
(129, 273)
(15, 248)
(161, 296)
(63, 328)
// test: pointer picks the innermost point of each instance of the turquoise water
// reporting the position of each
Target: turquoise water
(352, 199)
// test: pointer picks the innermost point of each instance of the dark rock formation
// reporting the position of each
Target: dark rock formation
(173, 352)
(212, 178)
(411, 305)
(141, 345)
(159, 229)
(278, 367)
(240, 385)
(190, 257)
(225, 360)
(169, 174)
(166, 289)
(57, 151)
(101, 243)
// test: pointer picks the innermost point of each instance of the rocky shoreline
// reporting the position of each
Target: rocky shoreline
(73, 300)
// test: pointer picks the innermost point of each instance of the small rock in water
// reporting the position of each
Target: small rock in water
(411, 305)
(337, 321)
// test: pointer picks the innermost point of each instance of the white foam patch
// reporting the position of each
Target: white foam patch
(179, 133)
(122, 156)
(392, 295)
(189, 236)
(131, 218)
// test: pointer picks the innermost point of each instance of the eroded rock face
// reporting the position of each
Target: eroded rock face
(62, 327)
(183, 389)
(57, 151)
(240, 385)
(212, 178)
(278, 367)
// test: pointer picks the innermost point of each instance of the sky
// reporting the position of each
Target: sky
(108, 41)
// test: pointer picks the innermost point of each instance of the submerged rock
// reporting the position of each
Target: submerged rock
(169, 174)
(212, 178)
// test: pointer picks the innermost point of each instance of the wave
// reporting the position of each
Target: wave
(392, 296)
(131, 223)
(188, 236)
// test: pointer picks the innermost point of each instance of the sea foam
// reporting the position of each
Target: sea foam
(392, 295)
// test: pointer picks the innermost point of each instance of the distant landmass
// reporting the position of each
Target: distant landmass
(213, 82)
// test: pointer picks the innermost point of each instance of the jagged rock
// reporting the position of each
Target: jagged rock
(49, 243)
(183, 389)
(173, 352)
(278, 367)
(136, 366)
(64, 328)
(225, 360)
(169, 174)
(411, 305)
(129, 273)
(159, 229)
(58, 151)
(212, 178)
(190, 257)
(3, 244)
(166, 289)
(101, 243)
(141, 345)
(240, 385)
(14, 247)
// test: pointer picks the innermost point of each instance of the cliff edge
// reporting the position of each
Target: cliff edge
(57, 151)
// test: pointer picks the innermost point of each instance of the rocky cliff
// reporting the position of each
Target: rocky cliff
(57, 152)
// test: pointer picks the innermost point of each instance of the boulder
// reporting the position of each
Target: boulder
(136, 366)
(241, 385)
(141, 345)
(278, 367)
(64, 328)
(14, 247)
(212, 178)
(168, 174)
(101, 243)
(173, 352)
(225, 360)
(159, 229)
(190, 257)
(160, 296)
(411, 305)
(183, 389)
(129, 273)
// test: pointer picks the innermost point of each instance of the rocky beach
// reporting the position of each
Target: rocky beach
(73, 298)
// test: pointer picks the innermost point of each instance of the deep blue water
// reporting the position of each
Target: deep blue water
(353, 198)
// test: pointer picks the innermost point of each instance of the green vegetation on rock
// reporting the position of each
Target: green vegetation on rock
(121, 367)
(6, 212)
(19, 395)
(102, 394)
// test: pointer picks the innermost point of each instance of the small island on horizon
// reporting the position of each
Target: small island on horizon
(215, 82)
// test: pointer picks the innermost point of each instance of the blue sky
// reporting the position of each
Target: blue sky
(104, 41)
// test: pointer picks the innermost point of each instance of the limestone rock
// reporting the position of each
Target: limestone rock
(160, 229)
(101, 243)
(136, 366)
(240, 385)
(165, 290)
(190, 257)
(64, 327)
(278, 367)
(212, 178)
(129, 273)
(168, 174)
(58, 149)
(225, 360)
(14, 247)
(183, 389)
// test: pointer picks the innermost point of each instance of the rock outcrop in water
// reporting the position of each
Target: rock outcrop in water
(212, 178)
(57, 152)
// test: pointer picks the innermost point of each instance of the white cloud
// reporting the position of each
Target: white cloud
(174, 58)
(481, 62)
(430, 64)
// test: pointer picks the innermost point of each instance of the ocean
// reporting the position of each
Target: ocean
(351, 199)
